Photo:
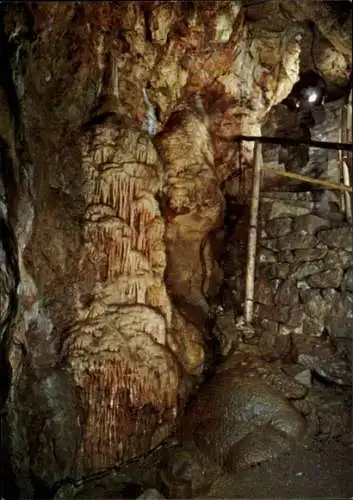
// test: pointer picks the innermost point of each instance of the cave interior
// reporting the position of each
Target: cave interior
(185, 333)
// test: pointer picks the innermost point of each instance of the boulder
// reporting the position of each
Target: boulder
(303, 271)
(316, 306)
(286, 256)
(338, 258)
(340, 322)
(272, 345)
(274, 270)
(309, 254)
(240, 422)
(312, 327)
(265, 291)
(270, 244)
(296, 316)
(287, 293)
(300, 374)
(274, 313)
(265, 256)
(328, 366)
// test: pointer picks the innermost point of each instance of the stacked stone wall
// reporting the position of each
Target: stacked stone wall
(304, 276)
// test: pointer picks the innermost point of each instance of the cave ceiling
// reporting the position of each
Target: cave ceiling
(174, 49)
(242, 58)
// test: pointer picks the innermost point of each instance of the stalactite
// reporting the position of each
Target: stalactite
(125, 253)
(145, 203)
(114, 262)
(116, 189)
(130, 289)
(118, 254)
(137, 263)
(96, 212)
(144, 153)
(113, 237)
(102, 139)
(153, 232)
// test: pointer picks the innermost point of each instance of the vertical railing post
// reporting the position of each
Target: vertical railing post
(347, 163)
(346, 136)
(252, 238)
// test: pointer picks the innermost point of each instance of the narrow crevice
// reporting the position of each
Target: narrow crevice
(148, 31)
(10, 180)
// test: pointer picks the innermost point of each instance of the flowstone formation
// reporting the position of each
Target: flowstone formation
(193, 208)
(240, 422)
(117, 347)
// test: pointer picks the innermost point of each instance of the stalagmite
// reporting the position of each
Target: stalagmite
(113, 351)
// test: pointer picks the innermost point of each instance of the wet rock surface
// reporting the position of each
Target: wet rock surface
(323, 470)
(120, 220)
(116, 152)
(239, 422)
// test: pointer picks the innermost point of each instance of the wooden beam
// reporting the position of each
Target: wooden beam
(334, 186)
(282, 141)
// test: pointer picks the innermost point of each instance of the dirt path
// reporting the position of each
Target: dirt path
(324, 470)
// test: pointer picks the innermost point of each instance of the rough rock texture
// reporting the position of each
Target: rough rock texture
(9, 278)
(193, 208)
(323, 470)
(300, 290)
(116, 151)
(303, 305)
(303, 308)
(314, 286)
(322, 123)
(239, 422)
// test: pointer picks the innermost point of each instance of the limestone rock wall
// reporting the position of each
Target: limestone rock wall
(98, 349)
(96, 315)
(193, 208)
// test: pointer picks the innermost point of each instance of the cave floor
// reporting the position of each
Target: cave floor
(321, 470)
